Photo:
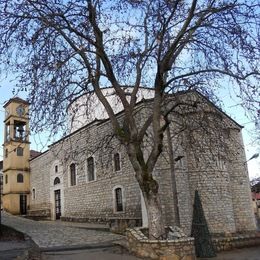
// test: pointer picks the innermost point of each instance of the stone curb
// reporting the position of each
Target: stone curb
(92, 228)
(78, 247)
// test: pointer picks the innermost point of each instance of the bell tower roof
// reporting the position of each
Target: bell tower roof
(16, 100)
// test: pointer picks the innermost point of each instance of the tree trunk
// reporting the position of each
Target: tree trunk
(155, 218)
(149, 188)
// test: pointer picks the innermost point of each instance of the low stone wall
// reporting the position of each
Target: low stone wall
(39, 214)
(82, 220)
(225, 243)
(177, 249)
(117, 225)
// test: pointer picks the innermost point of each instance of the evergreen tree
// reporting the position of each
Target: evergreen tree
(203, 243)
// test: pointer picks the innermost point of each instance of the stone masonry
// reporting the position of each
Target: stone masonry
(207, 155)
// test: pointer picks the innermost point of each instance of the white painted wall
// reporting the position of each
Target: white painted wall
(87, 107)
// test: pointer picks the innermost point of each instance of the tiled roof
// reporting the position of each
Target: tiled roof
(34, 154)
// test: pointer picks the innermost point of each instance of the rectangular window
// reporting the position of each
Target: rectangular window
(56, 168)
(91, 173)
(119, 200)
(19, 151)
(117, 165)
(72, 174)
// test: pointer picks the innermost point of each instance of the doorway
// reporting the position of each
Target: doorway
(57, 204)
(23, 204)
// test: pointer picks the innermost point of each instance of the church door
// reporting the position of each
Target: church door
(57, 204)
(23, 204)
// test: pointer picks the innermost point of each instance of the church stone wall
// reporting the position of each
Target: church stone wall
(240, 187)
(218, 173)
(94, 199)
(40, 181)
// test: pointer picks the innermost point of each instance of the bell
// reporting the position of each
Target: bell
(20, 130)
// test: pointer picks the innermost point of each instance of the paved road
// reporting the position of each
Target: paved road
(70, 241)
(60, 235)
(250, 253)
(9, 251)
(114, 253)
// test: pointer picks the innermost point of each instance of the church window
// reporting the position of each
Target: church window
(33, 194)
(117, 164)
(73, 174)
(91, 169)
(56, 181)
(6, 179)
(19, 178)
(6, 153)
(19, 151)
(56, 168)
(118, 199)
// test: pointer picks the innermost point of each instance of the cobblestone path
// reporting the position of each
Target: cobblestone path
(48, 235)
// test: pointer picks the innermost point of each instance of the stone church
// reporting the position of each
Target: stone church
(86, 175)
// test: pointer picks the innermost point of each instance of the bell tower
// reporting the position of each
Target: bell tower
(16, 179)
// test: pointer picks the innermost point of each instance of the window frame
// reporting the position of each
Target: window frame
(55, 181)
(33, 193)
(75, 175)
(94, 169)
(117, 163)
(115, 204)
(21, 151)
(20, 178)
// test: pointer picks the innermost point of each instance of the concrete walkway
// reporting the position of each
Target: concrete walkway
(55, 235)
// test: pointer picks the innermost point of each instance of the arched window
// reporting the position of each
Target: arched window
(19, 178)
(118, 200)
(6, 153)
(33, 194)
(72, 174)
(6, 179)
(56, 181)
(117, 165)
(91, 168)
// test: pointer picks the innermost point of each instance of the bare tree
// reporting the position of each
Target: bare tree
(61, 49)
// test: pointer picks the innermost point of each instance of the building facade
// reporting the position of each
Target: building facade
(87, 176)
(16, 176)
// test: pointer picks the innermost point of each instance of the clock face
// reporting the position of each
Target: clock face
(20, 110)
